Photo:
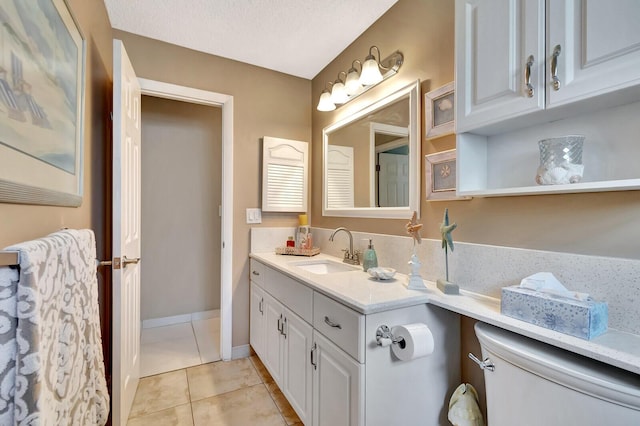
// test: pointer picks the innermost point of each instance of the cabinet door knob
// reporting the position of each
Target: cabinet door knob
(331, 323)
(555, 81)
(527, 77)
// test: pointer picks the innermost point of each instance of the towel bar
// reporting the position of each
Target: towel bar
(12, 258)
(9, 258)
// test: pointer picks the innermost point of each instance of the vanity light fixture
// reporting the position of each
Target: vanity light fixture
(372, 72)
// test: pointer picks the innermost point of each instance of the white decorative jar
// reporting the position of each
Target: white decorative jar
(560, 160)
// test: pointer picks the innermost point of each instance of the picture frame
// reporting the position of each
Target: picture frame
(439, 111)
(42, 80)
(440, 176)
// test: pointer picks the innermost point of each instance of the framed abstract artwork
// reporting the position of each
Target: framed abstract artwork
(440, 176)
(439, 111)
(42, 65)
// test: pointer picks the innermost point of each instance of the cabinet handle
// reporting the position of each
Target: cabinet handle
(255, 273)
(280, 324)
(313, 361)
(554, 68)
(331, 323)
(527, 77)
(284, 324)
(260, 307)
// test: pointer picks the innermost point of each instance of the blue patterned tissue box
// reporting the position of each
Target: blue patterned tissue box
(584, 319)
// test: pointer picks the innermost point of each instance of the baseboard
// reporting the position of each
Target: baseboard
(179, 319)
(197, 316)
(242, 351)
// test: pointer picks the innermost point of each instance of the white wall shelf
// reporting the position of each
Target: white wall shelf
(505, 164)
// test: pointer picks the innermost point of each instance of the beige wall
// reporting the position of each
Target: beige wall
(181, 192)
(24, 222)
(266, 103)
(598, 223)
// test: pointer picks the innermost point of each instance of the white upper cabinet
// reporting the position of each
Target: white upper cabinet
(516, 57)
(285, 175)
(499, 60)
(598, 45)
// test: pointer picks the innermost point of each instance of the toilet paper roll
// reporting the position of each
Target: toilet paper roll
(418, 341)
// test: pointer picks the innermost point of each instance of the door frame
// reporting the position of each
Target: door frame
(164, 90)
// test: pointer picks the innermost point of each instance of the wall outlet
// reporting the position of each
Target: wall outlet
(254, 216)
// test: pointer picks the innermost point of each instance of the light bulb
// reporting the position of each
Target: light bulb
(338, 93)
(325, 103)
(352, 85)
(370, 72)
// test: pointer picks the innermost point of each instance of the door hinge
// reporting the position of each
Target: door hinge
(117, 264)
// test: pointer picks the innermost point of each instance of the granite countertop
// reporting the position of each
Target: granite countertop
(357, 290)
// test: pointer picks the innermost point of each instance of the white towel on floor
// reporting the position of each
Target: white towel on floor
(60, 379)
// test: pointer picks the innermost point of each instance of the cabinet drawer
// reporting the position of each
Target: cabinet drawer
(293, 294)
(256, 271)
(341, 325)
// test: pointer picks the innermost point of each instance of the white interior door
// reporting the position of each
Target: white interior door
(126, 235)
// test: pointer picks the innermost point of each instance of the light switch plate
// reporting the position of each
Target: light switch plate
(254, 216)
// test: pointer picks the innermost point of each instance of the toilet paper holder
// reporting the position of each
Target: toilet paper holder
(384, 337)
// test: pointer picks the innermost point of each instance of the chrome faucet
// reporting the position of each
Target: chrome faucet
(350, 256)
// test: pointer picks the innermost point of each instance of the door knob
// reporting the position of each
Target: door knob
(126, 261)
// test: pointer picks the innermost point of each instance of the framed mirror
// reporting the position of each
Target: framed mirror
(371, 159)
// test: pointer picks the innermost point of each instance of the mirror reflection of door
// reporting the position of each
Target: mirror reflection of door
(390, 166)
(393, 178)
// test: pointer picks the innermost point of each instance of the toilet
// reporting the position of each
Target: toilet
(534, 384)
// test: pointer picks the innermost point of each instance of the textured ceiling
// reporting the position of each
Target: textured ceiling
(297, 37)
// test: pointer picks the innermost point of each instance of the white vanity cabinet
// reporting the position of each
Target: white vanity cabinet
(297, 380)
(288, 341)
(338, 385)
(281, 338)
(515, 57)
(324, 356)
(257, 315)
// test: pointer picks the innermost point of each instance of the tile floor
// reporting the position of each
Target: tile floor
(234, 393)
(179, 346)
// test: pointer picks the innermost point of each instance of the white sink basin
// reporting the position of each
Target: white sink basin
(324, 266)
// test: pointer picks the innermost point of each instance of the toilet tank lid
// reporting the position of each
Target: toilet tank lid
(566, 368)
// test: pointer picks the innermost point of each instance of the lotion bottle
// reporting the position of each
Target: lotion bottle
(370, 259)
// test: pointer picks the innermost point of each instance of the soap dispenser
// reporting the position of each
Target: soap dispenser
(370, 259)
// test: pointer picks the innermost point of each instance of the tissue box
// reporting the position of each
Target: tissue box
(583, 319)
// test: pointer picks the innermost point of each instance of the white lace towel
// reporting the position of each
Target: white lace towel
(60, 376)
(8, 344)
